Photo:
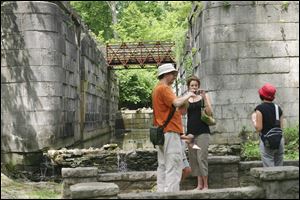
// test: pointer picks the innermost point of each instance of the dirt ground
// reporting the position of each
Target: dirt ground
(24, 189)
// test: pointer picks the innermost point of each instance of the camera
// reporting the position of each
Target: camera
(197, 92)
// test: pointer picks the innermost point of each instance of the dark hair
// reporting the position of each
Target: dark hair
(193, 78)
(161, 77)
(261, 97)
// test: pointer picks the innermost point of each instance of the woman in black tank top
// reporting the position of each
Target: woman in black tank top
(264, 119)
(200, 131)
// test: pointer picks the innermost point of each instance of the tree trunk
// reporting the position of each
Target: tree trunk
(113, 8)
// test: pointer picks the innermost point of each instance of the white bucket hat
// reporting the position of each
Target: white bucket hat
(166, 68)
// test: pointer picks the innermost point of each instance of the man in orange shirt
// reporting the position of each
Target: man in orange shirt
(169, 155)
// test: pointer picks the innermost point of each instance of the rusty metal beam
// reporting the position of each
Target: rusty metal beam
(140, 53)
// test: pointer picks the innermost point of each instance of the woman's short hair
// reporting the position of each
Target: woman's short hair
(193, 78)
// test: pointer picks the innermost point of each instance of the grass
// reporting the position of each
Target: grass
(44, 194)
(15, 189)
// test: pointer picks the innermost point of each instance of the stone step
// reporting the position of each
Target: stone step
(250, 192)
(94, 190)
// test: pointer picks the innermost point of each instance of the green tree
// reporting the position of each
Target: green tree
(153, 21)
(97, 16)
(136, 87)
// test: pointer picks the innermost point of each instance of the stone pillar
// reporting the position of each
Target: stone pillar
(76, 175)
(278, 182)
(235, 48)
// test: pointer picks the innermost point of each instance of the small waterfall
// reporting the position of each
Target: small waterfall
(44, 168)
(122, 165)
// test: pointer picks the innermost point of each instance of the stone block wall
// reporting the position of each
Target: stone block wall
(99, 95)
(56, 90)
(136, 119)
(235, 48)
(107, 159)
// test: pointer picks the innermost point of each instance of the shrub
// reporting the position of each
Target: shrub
(291, 137)
(250, 148)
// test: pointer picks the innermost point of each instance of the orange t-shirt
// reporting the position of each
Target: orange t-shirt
(162, 100)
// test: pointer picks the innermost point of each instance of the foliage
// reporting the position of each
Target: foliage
(226, 4)
(153, 21)
(136, 87)
(291, 137)
(96, 15)
(250, 148)
(188, 65)
(285, 6)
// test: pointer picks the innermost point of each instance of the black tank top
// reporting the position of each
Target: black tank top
(268, 115)
(194, 124)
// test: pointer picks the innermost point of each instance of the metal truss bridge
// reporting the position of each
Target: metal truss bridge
(139, 54)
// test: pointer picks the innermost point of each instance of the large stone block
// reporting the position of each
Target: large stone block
(28, 137)
(31, 57)
(30, 7)
(94, 190)
(284, 92)
(279, 182)
(33, 118)
(41, 40)
(10, 23)
(220, 51)
(39, 22)
(260, 13)
(291, 109)
(263, 66)
(15, 58)
(236, 111)
(79, 172)
(12, 41)
(213, 67)
(260, 49)
(72, 50)
(70, 31)
(225, 97)
(279, 80)
(51, 57)
(66, 193)
(276, 173)
(36, 73)
(31, 104)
